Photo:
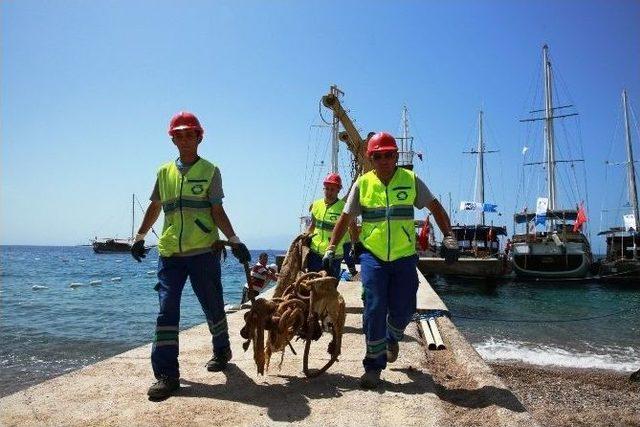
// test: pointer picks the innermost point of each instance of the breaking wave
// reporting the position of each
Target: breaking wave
(624, 359)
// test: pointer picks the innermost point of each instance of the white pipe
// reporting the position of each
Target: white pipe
(426, 331)
(436, 334)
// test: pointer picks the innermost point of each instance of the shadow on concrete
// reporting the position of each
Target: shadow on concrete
(358, 331)
(468, 398)
(291, 401)
(284, 402)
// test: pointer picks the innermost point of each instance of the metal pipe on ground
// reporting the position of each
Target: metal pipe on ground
(428, 336)
(436, 334)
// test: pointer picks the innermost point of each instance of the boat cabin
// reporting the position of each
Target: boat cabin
(620, 243)
(478, 240)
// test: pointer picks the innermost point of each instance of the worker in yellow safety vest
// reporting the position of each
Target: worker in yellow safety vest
(189, 191)
(324, 215)
(385, 197)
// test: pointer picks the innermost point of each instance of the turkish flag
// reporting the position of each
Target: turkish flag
(423, 237)
(581, 218)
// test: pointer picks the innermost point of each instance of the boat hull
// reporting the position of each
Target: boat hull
(621, 270)
(548, 260)
(464, 267)
(113, 248)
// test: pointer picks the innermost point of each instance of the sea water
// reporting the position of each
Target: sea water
(62, 308)
(587, 324)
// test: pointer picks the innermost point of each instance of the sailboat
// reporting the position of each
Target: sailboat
(561, 250)
(479, 243)
(622, 260)
(106, 245)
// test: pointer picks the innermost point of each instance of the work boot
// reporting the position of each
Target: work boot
(370, 380)
(219, 360)
(392, 351)
(163, 388)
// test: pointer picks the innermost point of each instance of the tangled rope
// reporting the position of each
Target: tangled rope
(298, 310)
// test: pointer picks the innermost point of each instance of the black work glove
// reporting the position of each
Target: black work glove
(240, 251)
(327, 260)
(137, 250)
(358, 249)
(449, 250)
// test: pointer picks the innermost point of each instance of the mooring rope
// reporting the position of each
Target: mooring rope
(446, 313)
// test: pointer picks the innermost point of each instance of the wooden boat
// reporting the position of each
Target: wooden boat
(622, 261)
(561, 250)
(479, 243)
(112, 245)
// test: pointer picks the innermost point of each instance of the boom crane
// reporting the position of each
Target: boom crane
(351, 137)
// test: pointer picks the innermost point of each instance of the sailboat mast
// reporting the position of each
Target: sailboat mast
(133, 214)
(335, 130)
(480, 167)
(631, 171)
(404, 146)
(548, 130)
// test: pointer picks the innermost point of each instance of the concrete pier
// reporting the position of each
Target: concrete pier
(431, 388)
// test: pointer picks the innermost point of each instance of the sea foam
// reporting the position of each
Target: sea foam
(617, 359)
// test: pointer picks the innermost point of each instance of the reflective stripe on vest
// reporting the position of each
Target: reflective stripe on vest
(188, 225)
(325, 219)
(388, 229)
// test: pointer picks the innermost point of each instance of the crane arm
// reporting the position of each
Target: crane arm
(352, 139)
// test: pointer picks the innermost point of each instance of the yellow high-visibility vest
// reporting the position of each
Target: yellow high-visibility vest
(188, 225)
(387, 214)
(325, 219)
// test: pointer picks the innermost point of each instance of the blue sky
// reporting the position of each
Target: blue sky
(88, 89)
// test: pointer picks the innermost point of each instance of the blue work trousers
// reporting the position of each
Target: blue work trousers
(204, 273)
(390, 290)
(314, 263)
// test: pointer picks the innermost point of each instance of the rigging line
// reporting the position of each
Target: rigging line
(634, 119)
(319, 172)
(603, 224)
(575, 195)
(575, 319)
(499, 154)
(535, 173)
(143, 211)
(311, 170)
(423, 145)
(306, 172)
(584, 170)
(320, 112)
(306, 164)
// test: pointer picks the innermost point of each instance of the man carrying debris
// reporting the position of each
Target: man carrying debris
(386, 197)
(189, 191)
(324, 215)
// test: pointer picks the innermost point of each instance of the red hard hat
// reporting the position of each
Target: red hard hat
(333, 178)
(184, 120)
(381, 141)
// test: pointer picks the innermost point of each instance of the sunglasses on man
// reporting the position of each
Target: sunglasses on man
(385, 155)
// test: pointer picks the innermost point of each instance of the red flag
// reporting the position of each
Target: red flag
(423, 237)
(490, 235)
(581, 218)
